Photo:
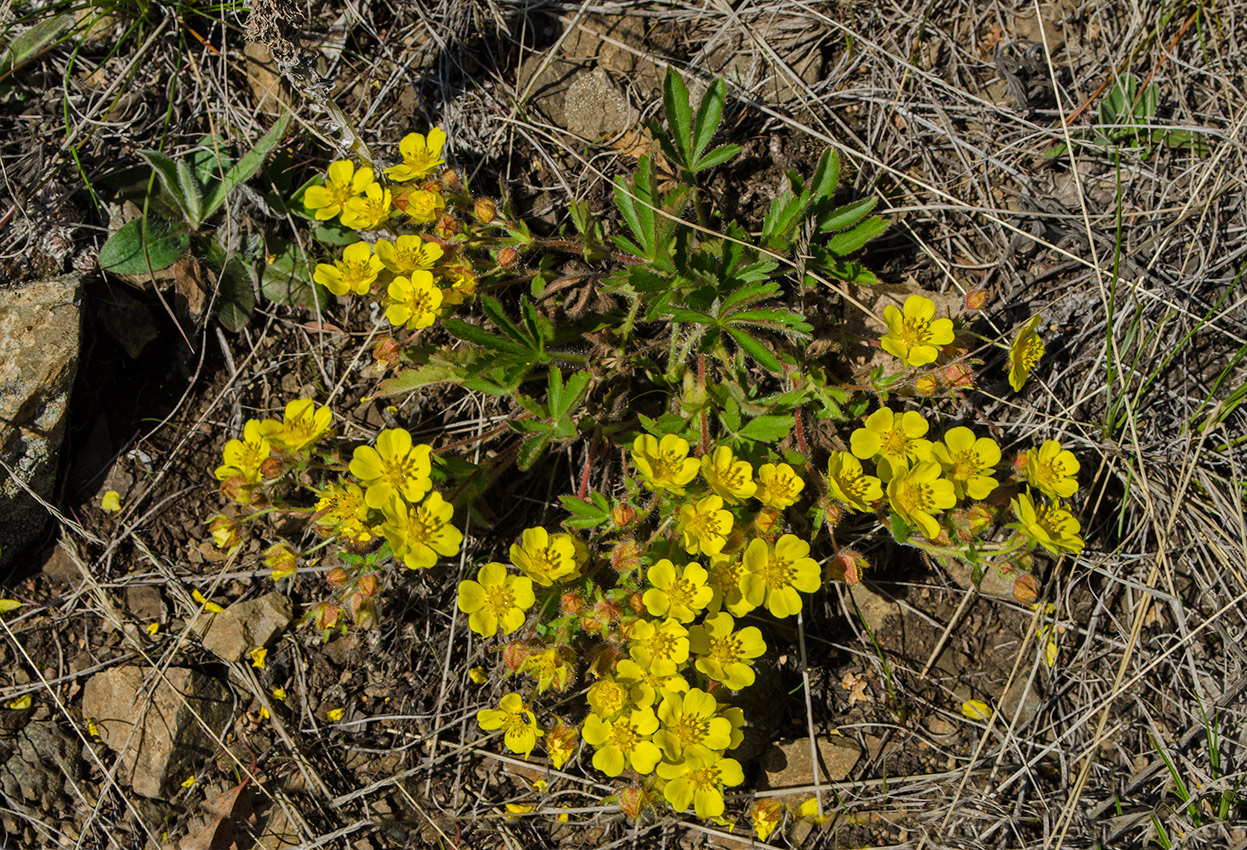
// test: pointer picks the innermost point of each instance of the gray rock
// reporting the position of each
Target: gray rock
(152, 725)
(244, 626)
(595, 108)
(39, 336)
(37, 777)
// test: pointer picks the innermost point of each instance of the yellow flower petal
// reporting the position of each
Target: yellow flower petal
(189, 782)
(976, 709)
(477, 675)
(257, 657)
(111, 501)
(279, 694)
(335, 714)
(22, 702)
(152, 628)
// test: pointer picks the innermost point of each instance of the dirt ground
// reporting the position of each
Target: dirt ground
(1119, 698)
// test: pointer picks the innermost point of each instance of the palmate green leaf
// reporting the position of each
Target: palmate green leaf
(849, 241)
(586, 515)
(531, 449)
(751, 293)
(781, 221)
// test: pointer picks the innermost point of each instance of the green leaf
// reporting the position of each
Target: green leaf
(422, 376)
(756, 350)
(166, 169)
(192, 194)
(235, 297)
(585, 514)
(709, 111)
(851, 240)
(846, 216)
(288, 280)
(334, 234)
(28, 44)
(719, 155)
(483, 338)
(768, 428)
(826, 176)
(530, 451)
(679, 114)
(900, 529)
(125, 252)
(246, 167)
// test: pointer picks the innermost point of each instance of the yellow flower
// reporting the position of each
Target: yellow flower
(623, 742)
(259, 656)
(679, 594)
(551, 666)
(664, 464)
(462, 284)
(730, 478)
(660, 648)
(699, 782)
(1048, 525)
(419, 534)
(644, 687)
(244, 457)
(725, 655)
(607, 697)
(421, 156)
(354, 272)
(724, 580)
(915, 336)
(968, 462)
(918, 494)
(342, 183)
(414, 301)
(111, 502)
(371, 210)
(546, 558)
(407, 254)
(495, 600)
(774, 574)
(425, 205)
(779, 486)
(303, 424)
(394, 467)
(561, 744)
(766, 816)
(1024, 353)
(1053, 470)
(342, 511)
(516, 719)
(896, 440)
(848, 484)
(704, 526)
(691, 726)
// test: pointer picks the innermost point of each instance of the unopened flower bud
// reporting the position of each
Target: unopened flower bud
(975, 299)
(926, 385)
(281, 559)
(848, 567)
(367, 585)
(635, 602)
(623, 515)
(450, 179)
(326, 615)
(958, 376)
(572, 602)
(832, 514)
(485, 210)
(766, 520)
(366, 614)
(508, 257)
(1025, 589)
(979, 517)
(514, 654)
(633, 801)
(337, 577)
(447, 227)
(270, 467)
(626, 556)
(237, 489)
(387, 351)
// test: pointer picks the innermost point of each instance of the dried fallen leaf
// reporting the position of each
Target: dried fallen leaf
(856, 686)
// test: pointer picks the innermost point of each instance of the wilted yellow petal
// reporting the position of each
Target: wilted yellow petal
(279, 693)
(477, 675)
(92, 729)
(335, 714)
(258, 655)
(263, 713)
(111, 501)
(976, 709)
(22, 702)
(1050, 652)
(515, 809)
(189, 782)
(7, 605)
(152, 628)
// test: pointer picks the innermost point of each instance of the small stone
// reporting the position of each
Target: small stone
(144, 603)
(787, 764)
(244, 626)
(596, 108)
(873, 607)
(169, 744)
